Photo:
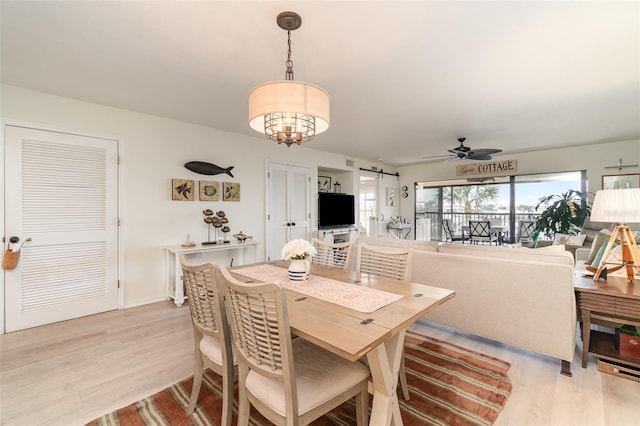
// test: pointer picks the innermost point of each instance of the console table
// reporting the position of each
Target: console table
(612, 300)
(174, 288)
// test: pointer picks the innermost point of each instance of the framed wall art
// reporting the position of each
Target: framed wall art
(230, 191)
(209, 190)
(621, 181)
(392, 196)
(324, 184)
(182, 189)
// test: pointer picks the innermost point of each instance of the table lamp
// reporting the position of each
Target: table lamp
(621, 206)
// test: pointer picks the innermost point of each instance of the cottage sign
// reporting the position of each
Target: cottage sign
(489, 167)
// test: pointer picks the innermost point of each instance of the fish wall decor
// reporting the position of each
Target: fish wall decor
(205, 168)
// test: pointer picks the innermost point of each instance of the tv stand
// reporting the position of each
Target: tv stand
(337, 235)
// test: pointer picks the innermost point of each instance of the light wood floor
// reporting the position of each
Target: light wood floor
(74, 371)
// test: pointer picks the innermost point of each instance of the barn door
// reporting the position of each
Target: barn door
(60, 191)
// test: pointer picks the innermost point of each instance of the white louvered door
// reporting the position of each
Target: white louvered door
(61, 190)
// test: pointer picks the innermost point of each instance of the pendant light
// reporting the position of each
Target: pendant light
(289, 111)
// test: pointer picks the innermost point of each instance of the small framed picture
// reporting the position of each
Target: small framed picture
(324, 184)
(182, 189)
(230, 191)
(621, 181)
(392, 196)
(209, 190)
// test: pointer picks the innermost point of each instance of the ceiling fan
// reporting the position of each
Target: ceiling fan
(461, 152)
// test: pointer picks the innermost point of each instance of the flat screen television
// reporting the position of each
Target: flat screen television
(335, 209)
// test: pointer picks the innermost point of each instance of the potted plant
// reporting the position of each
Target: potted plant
(563, 214)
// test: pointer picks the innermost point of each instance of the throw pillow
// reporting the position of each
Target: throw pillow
(571, 240)
(602, 238)
(598, 259)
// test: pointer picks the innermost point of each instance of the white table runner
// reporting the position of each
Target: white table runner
(352, 296)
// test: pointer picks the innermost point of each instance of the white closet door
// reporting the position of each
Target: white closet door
(61, 191)
(288, 206)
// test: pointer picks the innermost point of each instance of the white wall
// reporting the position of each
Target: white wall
(153, 151)
(592, 158)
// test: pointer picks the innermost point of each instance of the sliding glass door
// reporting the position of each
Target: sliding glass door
(505, 200)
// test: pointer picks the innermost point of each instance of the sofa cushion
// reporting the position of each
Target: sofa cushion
(591, 229)
(505, 252)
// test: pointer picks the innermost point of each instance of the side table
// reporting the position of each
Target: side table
(613, 300)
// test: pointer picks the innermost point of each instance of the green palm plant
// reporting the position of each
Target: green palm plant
(563, 214)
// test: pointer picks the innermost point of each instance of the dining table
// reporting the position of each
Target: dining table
(355, 316)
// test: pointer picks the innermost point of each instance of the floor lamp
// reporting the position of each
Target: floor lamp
(621, 206)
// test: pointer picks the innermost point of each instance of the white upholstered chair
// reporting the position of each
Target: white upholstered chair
(335, 255)
(290, 382)
(213, 348)
(391, 263)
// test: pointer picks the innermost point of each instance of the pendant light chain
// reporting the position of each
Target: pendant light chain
(289, 63)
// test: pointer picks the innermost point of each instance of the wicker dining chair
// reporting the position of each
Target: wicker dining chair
(335, 255)
(391, 263)
(288, 381)
(212, 337)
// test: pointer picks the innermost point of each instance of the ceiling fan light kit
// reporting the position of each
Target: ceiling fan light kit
(287, 111)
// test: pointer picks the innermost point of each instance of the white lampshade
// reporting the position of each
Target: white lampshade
(616, 205)
(289, 111)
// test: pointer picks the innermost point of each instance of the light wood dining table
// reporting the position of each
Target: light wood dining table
(351, 334)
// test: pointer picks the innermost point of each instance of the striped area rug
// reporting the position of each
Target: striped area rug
(449, 385)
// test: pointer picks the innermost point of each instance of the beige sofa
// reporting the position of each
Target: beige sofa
(520, 296)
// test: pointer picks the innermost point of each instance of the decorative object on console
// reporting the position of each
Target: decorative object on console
(241, 237)
(205, 168)
(218, 222)
(288, 111)
(298, 251)
(622, 206)
(182, 189)
(209, 190)
(563, 214)
(629, 341)
(337, 188)
(188, 242)
(324, 184)
(621, 181)
(230, 191)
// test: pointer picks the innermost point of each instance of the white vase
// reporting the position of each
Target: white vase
(299, 269)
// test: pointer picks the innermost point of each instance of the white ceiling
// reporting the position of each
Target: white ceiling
(405, 78)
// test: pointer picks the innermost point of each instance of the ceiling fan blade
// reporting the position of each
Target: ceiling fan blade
(435, 156)
(453, 158)
(476, 156)
(484, 151)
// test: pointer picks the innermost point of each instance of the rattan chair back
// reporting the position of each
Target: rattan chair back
(335, 255)
(385, 261)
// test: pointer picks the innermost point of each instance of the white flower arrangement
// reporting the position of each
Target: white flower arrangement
(298, 249)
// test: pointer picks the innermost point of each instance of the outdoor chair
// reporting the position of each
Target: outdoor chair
(287, 381)
(388, 262)
(480, 232)
(211, 333)
(335, 255)
(450, 235)
(526, 229)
